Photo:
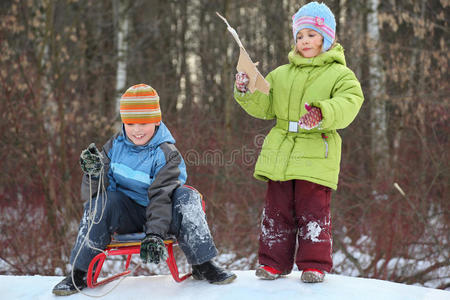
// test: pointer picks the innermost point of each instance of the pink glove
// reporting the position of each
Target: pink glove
(242, 82)
(311, 119)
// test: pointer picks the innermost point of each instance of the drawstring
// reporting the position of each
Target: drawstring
(324, 137)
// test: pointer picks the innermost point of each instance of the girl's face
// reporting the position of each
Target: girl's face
(140, 134)
(309, 42)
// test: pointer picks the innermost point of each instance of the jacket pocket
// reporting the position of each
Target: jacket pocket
(310, 146)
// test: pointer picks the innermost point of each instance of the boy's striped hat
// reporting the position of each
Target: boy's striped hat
(316, 16)
(140, 104)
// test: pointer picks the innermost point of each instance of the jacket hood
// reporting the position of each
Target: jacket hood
(161, 135)
(335, 54)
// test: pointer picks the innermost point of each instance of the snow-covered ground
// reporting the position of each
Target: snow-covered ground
(246, 286)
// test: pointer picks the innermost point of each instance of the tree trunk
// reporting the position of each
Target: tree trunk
(121, 21)
(186, 88)
(379, 139)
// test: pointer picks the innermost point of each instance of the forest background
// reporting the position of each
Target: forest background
(64, 65)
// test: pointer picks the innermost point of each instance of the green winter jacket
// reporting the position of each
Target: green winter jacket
(313, 155)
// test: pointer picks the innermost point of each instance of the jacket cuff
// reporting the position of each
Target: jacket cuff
(240, 96)
(327, 113)
(154, 234)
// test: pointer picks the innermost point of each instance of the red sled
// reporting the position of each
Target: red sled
(129, 244)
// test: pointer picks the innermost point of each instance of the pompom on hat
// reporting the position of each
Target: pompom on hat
(140, 104)
(316, 16)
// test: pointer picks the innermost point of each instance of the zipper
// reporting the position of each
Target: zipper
(324, 138)
(303, 93)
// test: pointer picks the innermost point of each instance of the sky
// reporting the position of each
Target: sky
(246, 286)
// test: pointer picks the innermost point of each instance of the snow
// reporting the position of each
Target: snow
(314, 231)
(246, 286)
(194, 221)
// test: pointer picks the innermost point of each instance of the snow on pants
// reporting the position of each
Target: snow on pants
(123, 215)
(296, 210)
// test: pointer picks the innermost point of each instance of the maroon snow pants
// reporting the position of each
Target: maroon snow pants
(296, 210)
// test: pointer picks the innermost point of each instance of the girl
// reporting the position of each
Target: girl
(310, 98)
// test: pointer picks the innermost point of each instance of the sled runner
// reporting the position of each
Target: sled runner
(129, 244)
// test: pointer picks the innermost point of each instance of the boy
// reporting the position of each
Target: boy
(143, 175)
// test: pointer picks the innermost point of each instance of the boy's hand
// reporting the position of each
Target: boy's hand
(91, 161)
(242, 81)
(311, 119)
(153, 249)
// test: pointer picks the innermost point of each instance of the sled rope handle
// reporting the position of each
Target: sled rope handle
(91, 222)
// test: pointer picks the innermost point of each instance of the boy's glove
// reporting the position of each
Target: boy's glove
(91, 161)
(153, 249)
(311, 119)
(242, 81)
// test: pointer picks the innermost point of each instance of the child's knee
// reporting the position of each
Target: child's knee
(185, 196)
(187, 204)
(187, 209)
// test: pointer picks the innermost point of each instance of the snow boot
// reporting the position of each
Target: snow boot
(213, 273)
(267, 272)
(66, 287)
(312, 276)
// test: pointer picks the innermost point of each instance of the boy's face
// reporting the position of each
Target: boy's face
(309, 42)
(140, 134)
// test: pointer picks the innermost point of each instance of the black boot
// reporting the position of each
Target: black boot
(66, 286)
(212, 273)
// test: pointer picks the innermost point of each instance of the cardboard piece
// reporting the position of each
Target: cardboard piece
(246, 65)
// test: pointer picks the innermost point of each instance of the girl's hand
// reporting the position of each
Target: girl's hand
(242, 82)
(311, 119)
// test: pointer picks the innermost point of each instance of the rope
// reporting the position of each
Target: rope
(91, 222)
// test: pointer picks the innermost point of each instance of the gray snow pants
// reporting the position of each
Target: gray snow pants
(123, 215)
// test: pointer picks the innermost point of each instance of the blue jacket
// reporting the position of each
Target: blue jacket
(146, 174)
